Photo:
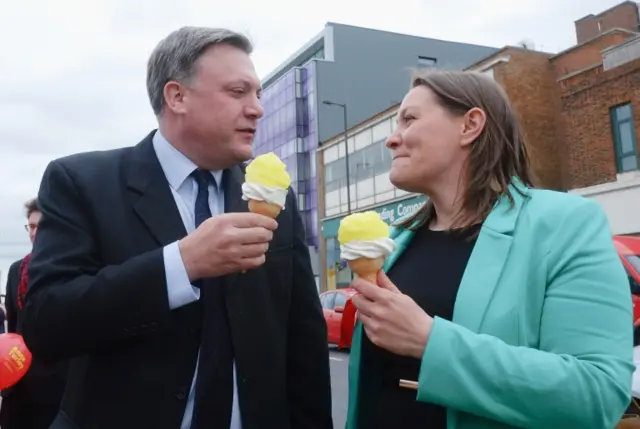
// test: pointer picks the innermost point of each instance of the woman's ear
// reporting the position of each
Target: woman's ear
(474, 122)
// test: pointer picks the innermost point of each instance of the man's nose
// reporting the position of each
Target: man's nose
(255, 110)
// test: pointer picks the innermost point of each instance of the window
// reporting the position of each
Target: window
(634, 260)
(335, 174)
(328, 301)
(381, 130)
(426, 62)
(624, 137)
(341, 300)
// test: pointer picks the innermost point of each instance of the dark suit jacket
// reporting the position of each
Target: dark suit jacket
(98, 288)
(11, 297)
(44, 382)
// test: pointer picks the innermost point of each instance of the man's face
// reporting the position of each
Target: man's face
(32, 224)
(221, 106)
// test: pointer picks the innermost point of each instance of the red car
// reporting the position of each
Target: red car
(628, 249)
(339, 314)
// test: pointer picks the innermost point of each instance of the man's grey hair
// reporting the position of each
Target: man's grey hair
(176, 56)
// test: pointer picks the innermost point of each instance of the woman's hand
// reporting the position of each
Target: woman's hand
(391, 319)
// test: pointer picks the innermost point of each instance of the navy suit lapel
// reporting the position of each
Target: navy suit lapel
(151, 195)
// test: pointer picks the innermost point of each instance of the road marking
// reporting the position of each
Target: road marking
(335, 358)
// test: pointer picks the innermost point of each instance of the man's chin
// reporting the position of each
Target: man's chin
(244, 154)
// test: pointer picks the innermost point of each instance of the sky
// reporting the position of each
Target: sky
(73, 71)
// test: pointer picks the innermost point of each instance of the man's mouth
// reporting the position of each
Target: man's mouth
(248, 130)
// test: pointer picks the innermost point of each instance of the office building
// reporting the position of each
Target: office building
(368, 188)
(358, 72)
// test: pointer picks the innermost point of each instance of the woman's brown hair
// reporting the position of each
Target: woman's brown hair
(497, 156)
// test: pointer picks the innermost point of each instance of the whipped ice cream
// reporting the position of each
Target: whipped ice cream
(259, 192)
(370, 249)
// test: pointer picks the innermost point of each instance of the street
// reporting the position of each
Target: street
(339, 361)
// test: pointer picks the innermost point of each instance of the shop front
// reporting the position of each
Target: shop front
(337, 273)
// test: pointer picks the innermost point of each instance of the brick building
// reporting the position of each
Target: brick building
(580, 110)
(624, 15)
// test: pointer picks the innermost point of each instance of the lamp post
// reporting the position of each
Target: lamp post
(346, 147)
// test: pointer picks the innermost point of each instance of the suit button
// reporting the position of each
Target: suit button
(181, 394)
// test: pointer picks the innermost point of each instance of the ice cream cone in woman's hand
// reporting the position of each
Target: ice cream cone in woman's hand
(365, 243)
(266, 185)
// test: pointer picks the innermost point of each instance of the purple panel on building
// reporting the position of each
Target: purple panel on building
(289, 129)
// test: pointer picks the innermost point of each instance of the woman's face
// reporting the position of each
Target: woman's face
(428, 145)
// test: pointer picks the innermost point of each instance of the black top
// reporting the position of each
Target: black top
(429, 271)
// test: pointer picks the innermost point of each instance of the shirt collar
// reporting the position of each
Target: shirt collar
(175, 165)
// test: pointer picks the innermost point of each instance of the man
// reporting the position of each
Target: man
(35, 400)
(190, 311)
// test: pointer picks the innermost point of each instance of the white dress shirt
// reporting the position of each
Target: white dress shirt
(177, 169)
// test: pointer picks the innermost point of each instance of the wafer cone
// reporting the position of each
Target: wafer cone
(264, 208)
(367, 268)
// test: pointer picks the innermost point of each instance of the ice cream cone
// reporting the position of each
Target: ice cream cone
(367, 268)
(264, 208)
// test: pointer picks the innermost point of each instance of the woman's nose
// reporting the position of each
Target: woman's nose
(393, 141)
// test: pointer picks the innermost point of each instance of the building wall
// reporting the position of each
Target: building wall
(620, 201)
(580, 57)
(371, 72)
(528, 79)
(623, 15)
(591, 134)
(586, 104)
(569, 122)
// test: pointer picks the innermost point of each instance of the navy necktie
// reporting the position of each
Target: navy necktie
(214, 383)
(202, 210)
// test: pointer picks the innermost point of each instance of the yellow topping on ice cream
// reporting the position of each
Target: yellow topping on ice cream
(366, 226)
(268, 170)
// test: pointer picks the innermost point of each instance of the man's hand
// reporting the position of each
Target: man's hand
(226, 244)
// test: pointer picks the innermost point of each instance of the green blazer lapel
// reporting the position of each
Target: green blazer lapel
(487, 260)
(402, 237)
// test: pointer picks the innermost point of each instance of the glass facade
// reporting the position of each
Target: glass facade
(289, 129)
(369, 165)
(369, 189)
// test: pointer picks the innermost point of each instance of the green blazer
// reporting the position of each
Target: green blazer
(541, 335)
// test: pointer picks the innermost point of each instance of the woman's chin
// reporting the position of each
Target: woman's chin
(404, 182)
(397, 178)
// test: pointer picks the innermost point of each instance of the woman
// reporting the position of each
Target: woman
(506, 304)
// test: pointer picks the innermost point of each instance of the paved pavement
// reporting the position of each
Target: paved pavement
(339, 362)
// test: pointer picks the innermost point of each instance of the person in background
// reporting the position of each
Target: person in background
(35, 400)
(184, 309)
(3, 319)
(504, 306)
